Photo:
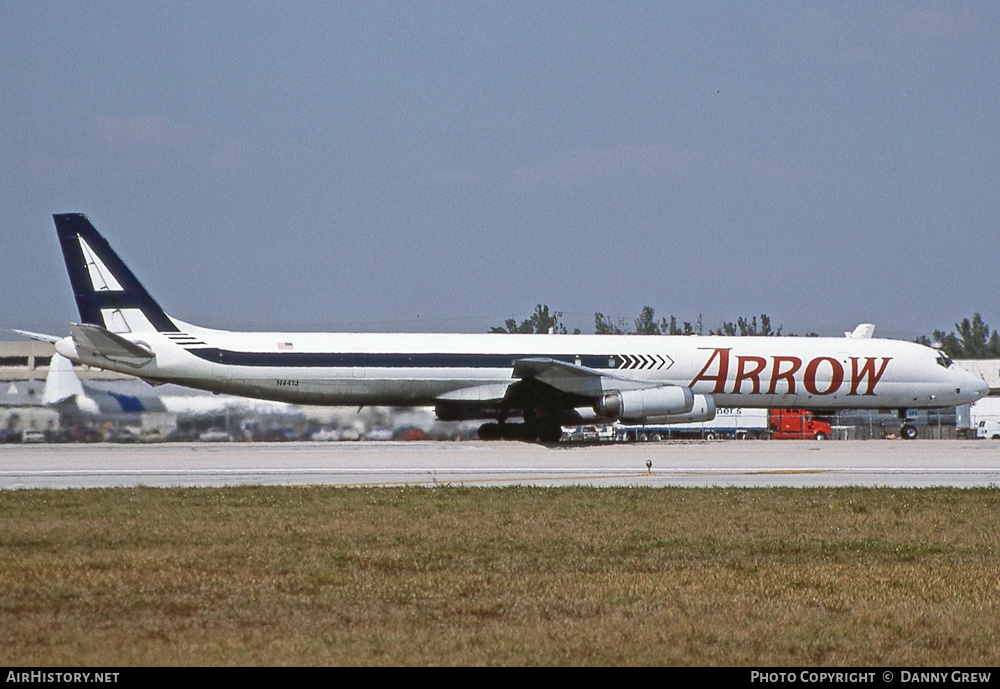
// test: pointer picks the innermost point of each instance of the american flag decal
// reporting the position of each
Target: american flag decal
(285, 346)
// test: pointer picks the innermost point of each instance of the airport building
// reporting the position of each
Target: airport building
(24, 366)
(29, 361)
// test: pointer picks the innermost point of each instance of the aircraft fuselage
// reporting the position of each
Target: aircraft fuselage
(416, 369)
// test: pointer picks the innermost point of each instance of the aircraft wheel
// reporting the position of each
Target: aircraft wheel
(489, 431)
(908, 432)
(516, 431)
(550, 434)
(711, 435)
(820, 436)
(656, 437)
(642, 437)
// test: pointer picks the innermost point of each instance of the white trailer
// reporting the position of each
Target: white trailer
(729, 422)
(984, 418)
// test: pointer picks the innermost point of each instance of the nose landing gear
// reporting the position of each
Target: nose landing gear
(527, 432)
(907, 431)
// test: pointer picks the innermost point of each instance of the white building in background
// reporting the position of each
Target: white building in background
(987, 369)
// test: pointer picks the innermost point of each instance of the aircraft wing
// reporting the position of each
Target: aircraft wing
(575, 379)
(493, 392)
(566, 380)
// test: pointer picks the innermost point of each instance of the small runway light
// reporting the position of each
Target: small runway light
(649, 467)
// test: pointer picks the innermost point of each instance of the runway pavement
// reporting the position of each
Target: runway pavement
(960, 463)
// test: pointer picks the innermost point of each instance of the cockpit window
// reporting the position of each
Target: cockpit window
(944, 360)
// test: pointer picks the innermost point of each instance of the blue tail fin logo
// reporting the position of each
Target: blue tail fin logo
(107, 293)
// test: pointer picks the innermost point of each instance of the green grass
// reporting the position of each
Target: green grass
(499, 576)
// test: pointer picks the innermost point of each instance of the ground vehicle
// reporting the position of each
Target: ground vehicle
(214, 435)
(988, 429)
(788, 424)
(33, 437)
(729, 422)
(83, 434)
(122, 434)
(984, 418)
(325, 435)
(737, 423)
(588, 434)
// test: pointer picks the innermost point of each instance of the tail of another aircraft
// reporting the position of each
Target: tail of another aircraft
(62, 383)
(107, 293)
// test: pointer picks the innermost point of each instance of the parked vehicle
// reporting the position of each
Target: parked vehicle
(151, 435)
(988, 429)
(122, 434)
(181, 436)
(736, 423)
(587, 434)
(797, 424)
(984, 418)
(33, 437)
(83, 434)
(325, 435)
(580, 434)
(409, 433)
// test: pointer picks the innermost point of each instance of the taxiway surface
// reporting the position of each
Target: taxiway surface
(959, 463)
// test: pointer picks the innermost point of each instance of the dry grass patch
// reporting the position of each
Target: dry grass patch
(505, 576)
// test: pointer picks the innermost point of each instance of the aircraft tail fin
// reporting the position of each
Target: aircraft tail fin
(62, 383)
(107, 292)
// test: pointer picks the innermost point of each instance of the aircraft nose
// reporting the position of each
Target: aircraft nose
(974, 384)
(982, 387)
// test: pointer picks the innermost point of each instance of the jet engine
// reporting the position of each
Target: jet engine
(629, 405)
(703, 410)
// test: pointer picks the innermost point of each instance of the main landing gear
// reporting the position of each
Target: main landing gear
(527, 432)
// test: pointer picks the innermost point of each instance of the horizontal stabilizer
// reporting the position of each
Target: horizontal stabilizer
(41, 337)
(96, 341)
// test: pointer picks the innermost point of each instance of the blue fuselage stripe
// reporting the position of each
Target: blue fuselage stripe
(389, 360)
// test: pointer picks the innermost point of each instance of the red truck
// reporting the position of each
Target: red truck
(796, 424)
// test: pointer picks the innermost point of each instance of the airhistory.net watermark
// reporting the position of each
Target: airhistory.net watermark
(42, 676)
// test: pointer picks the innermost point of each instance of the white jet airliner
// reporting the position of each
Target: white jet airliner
(543, 381)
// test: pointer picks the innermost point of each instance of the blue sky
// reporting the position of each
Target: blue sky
(447, 165)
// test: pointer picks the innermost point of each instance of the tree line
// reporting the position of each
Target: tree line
(543, 320)
(971, 339)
